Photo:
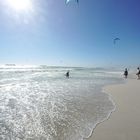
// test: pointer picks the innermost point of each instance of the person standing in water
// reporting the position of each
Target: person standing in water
(125, 73)
(138, 73)
(67, 74)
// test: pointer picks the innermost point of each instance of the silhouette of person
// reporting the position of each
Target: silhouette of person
(125, 73)
(67, 74)
(138, 73)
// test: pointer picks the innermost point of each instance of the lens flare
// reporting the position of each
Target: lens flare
(20, 5)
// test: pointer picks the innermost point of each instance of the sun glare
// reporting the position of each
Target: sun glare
(20, 5)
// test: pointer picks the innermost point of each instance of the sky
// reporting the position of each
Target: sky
(51, 32)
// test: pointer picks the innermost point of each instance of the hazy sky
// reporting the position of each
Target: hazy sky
(54, 33)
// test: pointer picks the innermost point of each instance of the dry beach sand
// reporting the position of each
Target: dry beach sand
(124, 123)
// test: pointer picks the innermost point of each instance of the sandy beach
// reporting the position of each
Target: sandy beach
(124, 123)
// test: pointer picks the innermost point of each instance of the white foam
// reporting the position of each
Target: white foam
(46, 105)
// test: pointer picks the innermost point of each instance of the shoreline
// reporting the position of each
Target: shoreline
(109, 129)
(109, 114)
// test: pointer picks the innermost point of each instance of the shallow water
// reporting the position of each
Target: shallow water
(40, 103)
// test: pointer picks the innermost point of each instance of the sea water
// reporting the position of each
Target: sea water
(40, 103)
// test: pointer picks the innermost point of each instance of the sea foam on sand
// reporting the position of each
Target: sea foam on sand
(124, 123)
(40, 103)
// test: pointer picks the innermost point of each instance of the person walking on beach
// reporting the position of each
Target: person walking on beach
(67, 74)
(125, 73)
(138, 73)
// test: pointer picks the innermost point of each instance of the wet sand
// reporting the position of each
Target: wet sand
(124, 123)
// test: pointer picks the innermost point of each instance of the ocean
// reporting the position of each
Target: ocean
(40, 103)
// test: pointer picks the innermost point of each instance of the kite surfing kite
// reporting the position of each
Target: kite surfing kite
(67, 1)
(115, 40)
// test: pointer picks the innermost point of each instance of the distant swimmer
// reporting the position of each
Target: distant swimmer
(67, 74)
(125, 73)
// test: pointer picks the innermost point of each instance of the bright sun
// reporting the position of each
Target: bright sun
(20, 5)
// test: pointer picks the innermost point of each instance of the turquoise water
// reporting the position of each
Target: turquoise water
(40, 103)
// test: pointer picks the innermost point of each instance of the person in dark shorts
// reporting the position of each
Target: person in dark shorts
(138, 73)
(125, 73)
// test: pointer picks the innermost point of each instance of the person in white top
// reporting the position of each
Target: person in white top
(138, 73)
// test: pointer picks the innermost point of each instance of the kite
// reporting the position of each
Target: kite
(115, 40)
(67, 1)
